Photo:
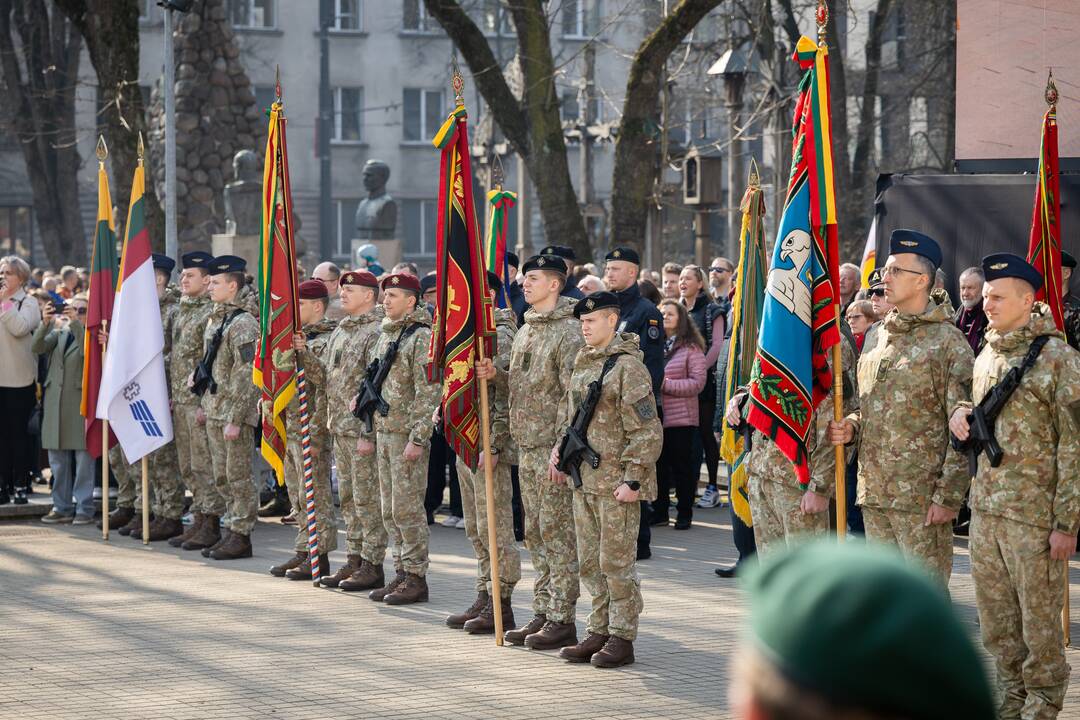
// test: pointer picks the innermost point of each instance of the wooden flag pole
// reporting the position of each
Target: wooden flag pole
(1065, 608)
(104, 458)
(145, 501)
(489, 492)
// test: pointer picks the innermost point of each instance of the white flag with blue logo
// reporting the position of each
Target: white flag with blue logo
(134, 395)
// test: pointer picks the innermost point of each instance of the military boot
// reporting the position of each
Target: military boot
(296, 560)
(413, 590)
(553, 635)
(381, 593)
(189, 532)
(274, 507)
(458, 620)
(225, 533)
(303, 570)
(352, 564)
(206, 536)
(368, 576)
(119, 517)
(616, 653)
(517, 637)
(584, 650)
(165, 528)
(484, 623)
(237, 546)
(134, 525)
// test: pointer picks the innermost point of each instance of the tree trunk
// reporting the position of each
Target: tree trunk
(110, 29)
(635, 149)
(42, 113)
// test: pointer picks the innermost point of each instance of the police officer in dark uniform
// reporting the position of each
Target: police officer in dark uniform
(570, 289)
(637, 315)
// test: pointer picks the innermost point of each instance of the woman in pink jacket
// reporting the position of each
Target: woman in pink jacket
(684, 377)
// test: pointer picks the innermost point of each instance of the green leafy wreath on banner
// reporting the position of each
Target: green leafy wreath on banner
(789, 400)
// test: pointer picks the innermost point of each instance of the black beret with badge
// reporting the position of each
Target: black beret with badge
(552, 263)
(1067, 260)
(625, 254)
(196, 259)
(567, 253)
(596, 301)
(913, 241)
(512, 260)
(1007, 265)
(227, 264)
(163, 262)
(494, 283)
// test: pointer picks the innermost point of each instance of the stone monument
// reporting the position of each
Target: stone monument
(376, 215)
(243, 211)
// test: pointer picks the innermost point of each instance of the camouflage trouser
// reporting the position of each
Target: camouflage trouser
(932, 546)
(231, 460)
(607, 533)
(167, 484)
(325, 521)
(401, 486)
(474, 506)
(358, 489)
(127, 477)
(1020, 592)
(196, 468)
(778, 516)
(549, 537)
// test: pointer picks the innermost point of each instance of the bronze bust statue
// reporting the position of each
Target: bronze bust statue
(376, 215)
(243, 196)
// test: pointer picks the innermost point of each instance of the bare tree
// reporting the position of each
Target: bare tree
(40, 65)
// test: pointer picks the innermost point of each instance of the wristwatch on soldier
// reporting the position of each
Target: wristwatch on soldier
(632, 484)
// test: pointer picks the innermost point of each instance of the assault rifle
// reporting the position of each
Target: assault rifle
(574, 446)
(203, 377)
(370, 399)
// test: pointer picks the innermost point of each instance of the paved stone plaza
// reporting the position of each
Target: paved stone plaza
(119, 630)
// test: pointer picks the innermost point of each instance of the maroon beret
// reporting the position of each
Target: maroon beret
(404, 281)
(313, 290)
(359, 277)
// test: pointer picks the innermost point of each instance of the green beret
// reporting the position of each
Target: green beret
(860, 627)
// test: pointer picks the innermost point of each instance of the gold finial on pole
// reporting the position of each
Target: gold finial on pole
(821, 15)
(754, 177)
(1051, 94)
(497, 174)
(102, 150)
(457, 82)
(277, 83)
(141, 150)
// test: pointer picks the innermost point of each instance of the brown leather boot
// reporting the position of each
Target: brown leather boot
(119, 517)
(165, 528)
(206, 536)
(484, 623)
(553, 635)
(458, 620)
(584, 650)
(517, 637)
(616, 653)
(134, 525)
(352, 564)
(303, 570)
(189, 532)
(368, 576)
(237, 546)
(413, 590)
(380, 594)
(296, 560)
(225, 533)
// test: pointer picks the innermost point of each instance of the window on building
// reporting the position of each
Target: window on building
(346, 226)
(491, 17)
(418, 220)
(348, 15)
(580, 18)
(423, 113)
(571, 108)
(264, 97)
(252, 13)
(348, 114)
(415, 18)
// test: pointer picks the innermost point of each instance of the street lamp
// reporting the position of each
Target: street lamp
(733, 67)
(170, 6)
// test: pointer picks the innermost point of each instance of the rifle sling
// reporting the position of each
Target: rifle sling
(1028, 362)
(215, 342)
(391, 351)
(609, 363)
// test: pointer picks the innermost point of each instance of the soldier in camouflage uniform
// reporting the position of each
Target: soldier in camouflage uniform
(479, 619)
(626, 433)
(1070, 302)
(403, 435)
(541, 362)
(783, 509)
(911, 482)
(308, 347)
(1026, 511)
(346, 356)
(233, 411)
(192, 451)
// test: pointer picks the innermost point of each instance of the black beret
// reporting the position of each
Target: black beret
(494, 283)
(1006, 265)
(227, 264)
(595, 301)
(1067, 260)
(567, 253)
(625, 254)
(196, 259)
(553, 263)
(913, 241)
(427, 282)
(512, 260)
(163, 262)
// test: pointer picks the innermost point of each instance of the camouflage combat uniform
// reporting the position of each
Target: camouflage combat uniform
(1071, 307)
(192, 450)
(315, 382)
(775, 493)
(126, 477)
(166, 484)
(473, 485)
(412, 401)
(346, 356)
(627, 435)
(237, 402)
(909, 382)
(1036, 489)
(541, 362)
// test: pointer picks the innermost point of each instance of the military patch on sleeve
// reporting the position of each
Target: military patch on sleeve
(654, 330)
(247, 352)
(645, 408)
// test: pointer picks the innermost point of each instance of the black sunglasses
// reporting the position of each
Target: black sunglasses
(719, 269)
(877, 292)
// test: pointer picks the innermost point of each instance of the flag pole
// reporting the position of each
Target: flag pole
(145, 500)
(104, 458)
(1065, 608)
(309, 474)
(822, 18)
